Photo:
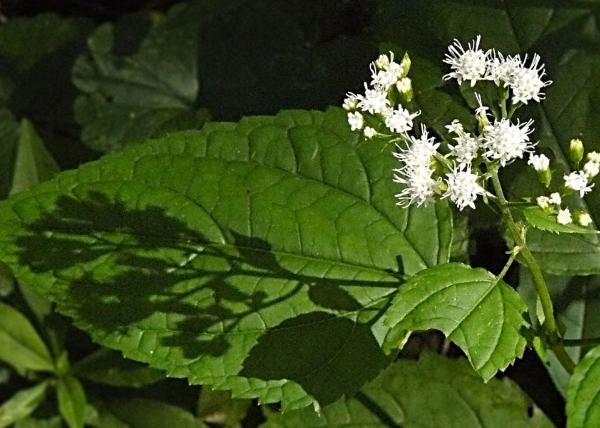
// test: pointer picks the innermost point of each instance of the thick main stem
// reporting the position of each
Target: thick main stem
(541, 288)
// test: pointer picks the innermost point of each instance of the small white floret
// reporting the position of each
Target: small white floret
(469, 64)
(540, 162)
(399, 120)
(374, 101)
(555, 199)
(369, 132)
(584, 219)
(543, 202)
(591, 169)
(356, 121)
(527, 81)
(578, 181)
(463, 188)
(564, 217)
(505, 141)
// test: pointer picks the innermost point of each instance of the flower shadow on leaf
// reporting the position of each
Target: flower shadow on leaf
(122, 270)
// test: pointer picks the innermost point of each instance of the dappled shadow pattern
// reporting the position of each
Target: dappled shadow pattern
(124, 268)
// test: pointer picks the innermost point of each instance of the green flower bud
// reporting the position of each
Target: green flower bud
(404, 65)
(576, 151)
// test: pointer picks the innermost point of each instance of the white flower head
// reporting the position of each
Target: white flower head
(501, 69)
(526, 81)
(591, 169)
(467, 65)
(355, 120)
(466, 148)
(404, 85)
(540, 162)
(578, 181)
(455, 127)
(505, 141)
(385, 72)
(555, 199)
(399, 120)
(564, 217)
(481, 111)
(584, 219)
(416, 172)
(369, 132)
(543, 202)
(373, 101)
(463, 187)
(350, 102)
(593, 157)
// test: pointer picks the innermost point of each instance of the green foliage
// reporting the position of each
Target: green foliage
(218, 407)
(259, 267)
(20, 345)
(583, 408)
(539, 219)
(71, 401)
(433, 392)
(478, 312)
(138, 86)
(22, 404)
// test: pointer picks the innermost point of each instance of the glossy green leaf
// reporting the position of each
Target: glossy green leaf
(144, 413)
(22, 404)
(539, 219)
(111, 368)
(576, 304)
(482, 315)
(254, 257)
(134, 92)
(583, 404)
(71, 401)
(53, 422)
(20, 345)
(217, 407)
(431, 393)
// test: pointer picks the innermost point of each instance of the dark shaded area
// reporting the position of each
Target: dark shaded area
(136, 254)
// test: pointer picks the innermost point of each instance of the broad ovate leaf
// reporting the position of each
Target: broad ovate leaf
(254, 257)
(478, 312)
(430, 393)
(583, 404)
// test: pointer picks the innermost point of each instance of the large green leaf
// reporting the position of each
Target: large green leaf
(433, 392)
(22, 404)
(255, 257)
(478, 312)
(576, 304)
(583, 404)
(139, 79)
(20, 345)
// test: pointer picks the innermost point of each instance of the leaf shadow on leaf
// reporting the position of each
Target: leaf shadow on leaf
(125, 269)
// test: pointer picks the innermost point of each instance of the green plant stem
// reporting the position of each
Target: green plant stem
(581, 342)
(549, 325)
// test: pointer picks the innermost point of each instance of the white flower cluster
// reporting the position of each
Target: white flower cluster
(459, 170)
(373, 112)
(577, 182)
(523, 77)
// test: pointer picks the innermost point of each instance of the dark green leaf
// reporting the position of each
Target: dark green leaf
(482, 315)
(22, 404)
(54, 422)
(111, 368)
(130, 96)
(254, 257)
(431, 393)
(583, 404)
(576, 304)
(20, 345)
(71, 401)
(539, 219)
(145, 413)
(217, 407)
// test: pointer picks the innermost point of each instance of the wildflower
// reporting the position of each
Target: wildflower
(385, 72)
(539, 162)
(501, 69)
(576, 150)
(584, 219)
(465, 149)
(578, 181)
(418, 152)
(399, 120)
(505, 141)
(564, 217)
(543, 202)
(481, 111)
(555, 199)
(591, 169)
(455, 127)
(373, 101)
(463, 187)
(404, 85)
(593, 157)
(369, 132)
(466, 65)
(526, 81)
(356, 121)
(350, 102)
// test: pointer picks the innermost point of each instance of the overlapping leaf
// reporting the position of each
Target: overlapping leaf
(478, 312)
(433, 392)
(583, 404)
(256, 257)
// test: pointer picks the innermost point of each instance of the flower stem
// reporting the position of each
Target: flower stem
(581, 342)
(549, 324)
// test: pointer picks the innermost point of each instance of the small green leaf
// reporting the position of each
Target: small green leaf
(22, 404)
(131, 92)
(71, 401)
(583, 402)
(146, 413)
(217, 407)
(430, 393)
(539, 219)
(20, 345)
(53, 422)
(111, 368)
(471, 307)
